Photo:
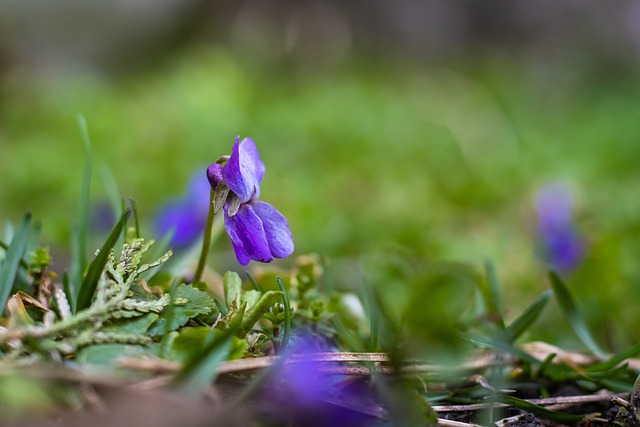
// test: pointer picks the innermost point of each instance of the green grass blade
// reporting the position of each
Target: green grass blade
(527, 318)
(34, 238)
(88, 287)
(134, 208)
(68, 291)
(540, 411)
(111, 189)
(80, 232)
(23, 263)
(200, 371)
(497, 344)
(287, 314)
(615, 360)
(15, 252)
(493, 299)
(221, 308)
(573, 314)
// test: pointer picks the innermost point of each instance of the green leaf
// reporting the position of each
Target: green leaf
(79, 235)
(491, 293)
(527, 318)
(189, 343)
(635, 394)
(614, 360)
(251, 297)
(15, 252)
(498, 344)
(105, 354)
(139, 325)
(166, 344)
(235, 316)
(538, 410)
(134, 208)
(287, 314)
(188, 303)
(157, 250)
(232, 287)
(200, 370)
(68, 291)
(255, 312)
(88, 287)
(111, 189)
(23, 263)
(573, 315)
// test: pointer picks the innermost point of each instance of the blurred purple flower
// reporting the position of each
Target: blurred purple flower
(311, 396)
(562, 246)
(186, 216)
(257, 230)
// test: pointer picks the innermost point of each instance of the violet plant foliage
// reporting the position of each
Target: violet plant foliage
(562, 245)
(257, 230)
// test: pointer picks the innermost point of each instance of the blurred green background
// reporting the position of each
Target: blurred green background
(421, 130)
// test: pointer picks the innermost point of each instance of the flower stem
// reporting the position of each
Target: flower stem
(206, 240)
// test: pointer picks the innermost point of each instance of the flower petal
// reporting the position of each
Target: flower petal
(244, 170)
(214, 174)
(247, 233)
(251, 158)
(276, 229)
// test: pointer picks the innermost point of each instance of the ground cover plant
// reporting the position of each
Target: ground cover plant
(137, 334)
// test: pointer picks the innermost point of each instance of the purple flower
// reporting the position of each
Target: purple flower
(310, 395)
(186, 216)
(257, 230)
(562, 246)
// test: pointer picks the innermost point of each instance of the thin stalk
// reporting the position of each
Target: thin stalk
(287, 314)
(206, 240)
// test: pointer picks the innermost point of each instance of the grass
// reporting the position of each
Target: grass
(424, 162)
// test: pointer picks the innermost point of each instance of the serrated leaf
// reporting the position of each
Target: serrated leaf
(527, 318)
(573, 314)
(188, 303)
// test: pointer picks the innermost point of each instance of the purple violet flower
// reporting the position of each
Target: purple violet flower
(562, 246)
(257, 230)
(185, 216)
(311, 396)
